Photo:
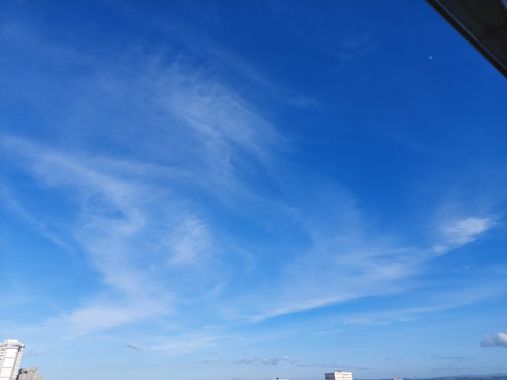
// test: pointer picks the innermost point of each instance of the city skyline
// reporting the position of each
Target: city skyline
(243, 190)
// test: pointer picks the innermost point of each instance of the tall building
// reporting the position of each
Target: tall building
(338, 375)
(11, 351)
(29, 374)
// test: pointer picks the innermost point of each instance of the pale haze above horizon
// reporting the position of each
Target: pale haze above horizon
(245, 190)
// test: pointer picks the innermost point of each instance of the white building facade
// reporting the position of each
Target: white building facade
(11, 352)
(338, 375)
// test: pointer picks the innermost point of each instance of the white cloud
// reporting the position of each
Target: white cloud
(126, 214)
(495, 340)
(466, 230)
(184, 343)
(345, 263)
(102, 316)
(461, 232)
(341, 262)
(189, 241)
(116, 220)
(112, 216)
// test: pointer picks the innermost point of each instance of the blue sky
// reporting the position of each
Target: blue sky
(246, 190)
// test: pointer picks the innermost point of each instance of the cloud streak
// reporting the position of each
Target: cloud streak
(461, 232)
(272, 361)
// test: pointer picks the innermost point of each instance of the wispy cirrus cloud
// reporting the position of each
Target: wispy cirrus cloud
(135, 226)
(114, 213)
(374, 266)
(462, 231)
(271, 361)
(142, 225)
(101, 316)
(191, 239)
(458, 358)
(182, 343)
(41, 228)
(109, 227)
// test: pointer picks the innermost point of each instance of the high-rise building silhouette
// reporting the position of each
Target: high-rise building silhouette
(11, 351)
